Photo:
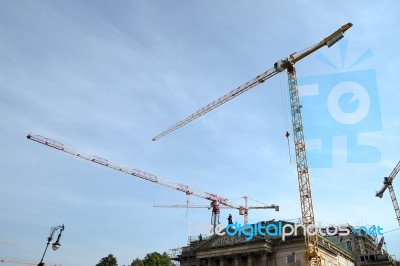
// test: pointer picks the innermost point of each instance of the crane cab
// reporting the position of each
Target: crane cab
(282, 64)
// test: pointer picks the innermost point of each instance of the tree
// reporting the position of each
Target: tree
(110, 260)
(153, 259)
(137, 262)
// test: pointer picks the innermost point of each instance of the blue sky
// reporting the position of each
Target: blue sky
(106, 77)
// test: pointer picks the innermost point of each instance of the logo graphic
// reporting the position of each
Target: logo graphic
(342, 104)
(282, 229)
(371, 231)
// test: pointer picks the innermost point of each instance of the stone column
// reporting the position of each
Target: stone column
(236, 260)
(249, 259)
(221, 261)
(264, 259)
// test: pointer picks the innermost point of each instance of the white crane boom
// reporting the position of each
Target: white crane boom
(182, 206)
(24, 262)
(242, 211)
(2, 242)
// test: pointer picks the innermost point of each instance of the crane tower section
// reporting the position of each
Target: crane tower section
(307, 210)
(387, 184)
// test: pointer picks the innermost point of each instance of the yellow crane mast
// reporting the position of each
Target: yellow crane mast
(311, 255)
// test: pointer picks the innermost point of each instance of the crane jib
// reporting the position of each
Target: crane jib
(131, 171)
(279, 66)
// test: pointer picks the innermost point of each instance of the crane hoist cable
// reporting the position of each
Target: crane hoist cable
(285, 113)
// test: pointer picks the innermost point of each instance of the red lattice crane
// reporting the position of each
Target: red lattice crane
(387, 184)
(216, 200)
(311, 255)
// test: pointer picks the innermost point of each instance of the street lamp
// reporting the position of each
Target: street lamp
(56, 245)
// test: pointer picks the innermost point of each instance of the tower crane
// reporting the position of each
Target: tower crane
(311, 255)
(216, 200)
(387, 183)
(243, 211)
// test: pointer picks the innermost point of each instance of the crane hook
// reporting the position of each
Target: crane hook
(287, 136)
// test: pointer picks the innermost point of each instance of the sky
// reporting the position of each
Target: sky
(106, 77)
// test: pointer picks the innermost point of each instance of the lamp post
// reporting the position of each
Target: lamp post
(56, 245)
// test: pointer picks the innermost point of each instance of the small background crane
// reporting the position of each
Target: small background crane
(2, 242)
(243, 211)
(23, 262)
(216, 200)
(387, 184)
(311, 255)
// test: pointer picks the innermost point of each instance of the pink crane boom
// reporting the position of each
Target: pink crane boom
(216, 200)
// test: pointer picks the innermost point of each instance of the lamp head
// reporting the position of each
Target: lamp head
(56, 245)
